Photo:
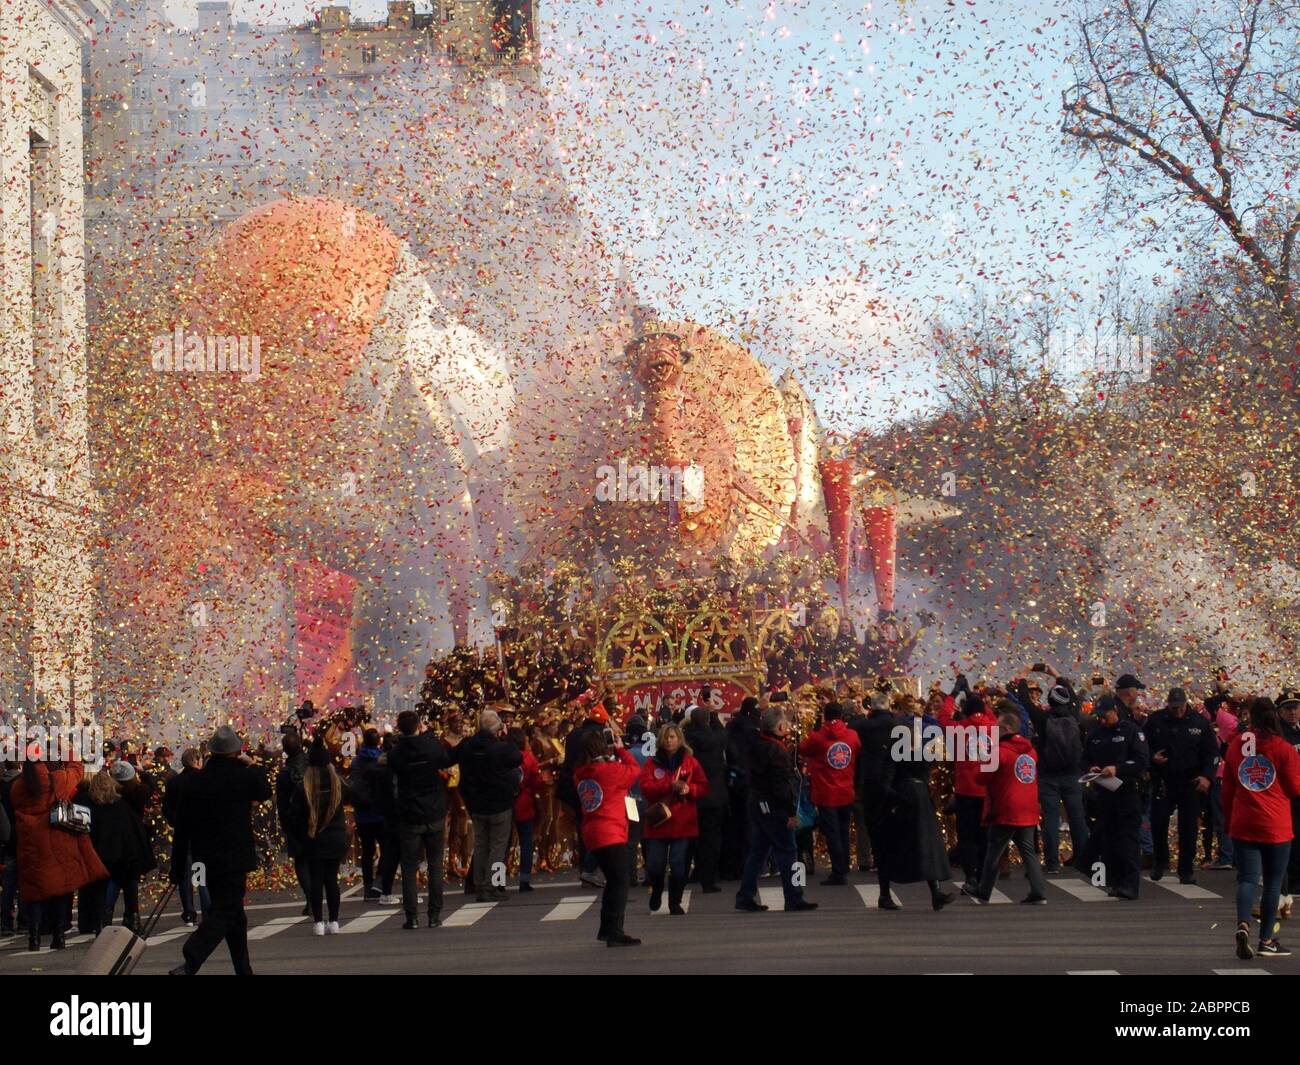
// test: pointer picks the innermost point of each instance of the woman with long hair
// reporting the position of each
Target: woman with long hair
(1260, 778)
(672, 781)
(603, 777)
(52, 863)
(317, 808)
(120, 840)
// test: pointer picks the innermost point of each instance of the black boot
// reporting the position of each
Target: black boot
(676, 887)
(656, 892)
(57, 942)
(33, 939)
(605, 924)
(619, 938)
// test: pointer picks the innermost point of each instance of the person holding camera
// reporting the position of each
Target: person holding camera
(672, 783)
(215, 825)
(489, 783)
(417, 761)
(603, 775)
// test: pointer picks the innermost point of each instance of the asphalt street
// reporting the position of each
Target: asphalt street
(1171, 929)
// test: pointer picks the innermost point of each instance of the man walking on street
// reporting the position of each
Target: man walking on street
(215, 824)
(489, 783)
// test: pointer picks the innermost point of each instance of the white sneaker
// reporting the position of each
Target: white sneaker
(389, 900)
(318, 929)
(331, 928)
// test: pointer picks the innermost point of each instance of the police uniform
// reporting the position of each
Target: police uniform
(1191, 751)
(1120, 821)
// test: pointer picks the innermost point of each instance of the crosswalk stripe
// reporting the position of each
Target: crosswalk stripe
(1241, 972)
(997, 897)
(368, 920)
(1186, 891)
(686, 905)
(468, 914)
(1091, 972)
(1082, 891)
(274, 925)
(772, 897)
(569, 908)
(870, 895)
(170, 934)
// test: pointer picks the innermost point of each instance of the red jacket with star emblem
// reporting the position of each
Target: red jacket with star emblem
(1258, 788)
(1012, 797)
(602, 796)
(832, 758)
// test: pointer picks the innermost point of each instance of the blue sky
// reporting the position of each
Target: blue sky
(827, 177)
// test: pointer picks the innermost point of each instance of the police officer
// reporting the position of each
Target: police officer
(1183, 756)
(1117, 750)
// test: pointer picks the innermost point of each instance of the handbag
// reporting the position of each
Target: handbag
(661, 812)
(805, 812)
(70, 817)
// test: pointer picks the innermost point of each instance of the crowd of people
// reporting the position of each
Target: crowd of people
(880, 778)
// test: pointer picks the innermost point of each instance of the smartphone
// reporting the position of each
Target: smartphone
(1039, 667)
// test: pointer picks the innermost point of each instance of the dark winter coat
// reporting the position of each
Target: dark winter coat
(215, 819)
(489, 781)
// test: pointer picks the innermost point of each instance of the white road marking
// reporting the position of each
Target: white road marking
(1186, 891)
(870, 894)
(274, 925)
(569, 908)
(1082, 891)
(368, 920)
(468, 914)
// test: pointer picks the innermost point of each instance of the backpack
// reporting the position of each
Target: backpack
(1062, 744)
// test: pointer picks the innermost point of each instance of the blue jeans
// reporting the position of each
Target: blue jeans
(769, 836)
(1147, 843)
(525, 831)
(834, 822)
(1256, 861)
(185, 888)
(661, 854)
(1053, 790)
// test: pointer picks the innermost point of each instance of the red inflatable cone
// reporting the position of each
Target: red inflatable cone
(879, 517)
(837, 487)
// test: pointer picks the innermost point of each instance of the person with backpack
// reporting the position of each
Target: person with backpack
(1058, 738)
(366, 778)
(1011, 808)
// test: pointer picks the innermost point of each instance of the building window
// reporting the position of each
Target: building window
(368, 54)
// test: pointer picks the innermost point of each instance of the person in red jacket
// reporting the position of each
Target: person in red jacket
(831, 753)
(602, 779)
(52, 863)
(672, 777)
(1261, 776)
(969, 781)
(1011, 808)
(530, 785)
